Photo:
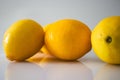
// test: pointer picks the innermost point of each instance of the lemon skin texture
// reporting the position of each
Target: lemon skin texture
(68, 39)
(23, 39)
(106, 40)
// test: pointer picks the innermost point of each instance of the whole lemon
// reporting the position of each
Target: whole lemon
(23, 39)
(106, 39)
(68, 39)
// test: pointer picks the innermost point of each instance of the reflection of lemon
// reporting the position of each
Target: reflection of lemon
(68, 39)
(20, 71)
(64, 70)
(23, 39)
(108, 72)
(106, 40)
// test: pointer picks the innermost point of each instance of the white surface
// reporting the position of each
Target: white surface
(48, 68)
(46, 11)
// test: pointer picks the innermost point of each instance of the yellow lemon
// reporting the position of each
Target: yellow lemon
(106, 39)
(68, 39)
(44, 49)
(23, 39)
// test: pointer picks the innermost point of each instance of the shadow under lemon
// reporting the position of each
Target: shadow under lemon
(108, 72)
(65, 70)
(24, 71)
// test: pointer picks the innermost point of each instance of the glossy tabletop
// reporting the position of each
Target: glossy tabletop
(44, 67)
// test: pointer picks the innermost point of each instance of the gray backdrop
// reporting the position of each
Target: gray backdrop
(46, 11)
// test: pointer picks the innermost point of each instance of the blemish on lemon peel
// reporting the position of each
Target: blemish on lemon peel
(108, 39)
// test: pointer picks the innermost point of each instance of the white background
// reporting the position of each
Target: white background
(44, 12)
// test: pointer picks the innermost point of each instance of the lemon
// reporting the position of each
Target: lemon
(106, 39)
(23, 39)
(68, 39)
(44, 49)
